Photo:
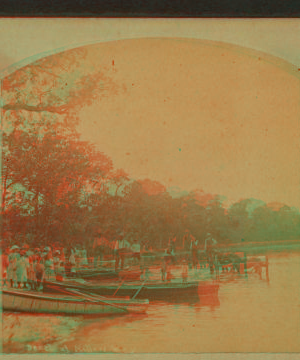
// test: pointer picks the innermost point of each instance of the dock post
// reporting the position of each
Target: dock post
(245, 265)
(267, 268)
(217, 267)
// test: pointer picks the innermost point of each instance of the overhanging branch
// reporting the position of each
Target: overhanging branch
(15, 107)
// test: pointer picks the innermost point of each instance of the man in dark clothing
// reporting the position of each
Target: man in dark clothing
(210, 243)
(99, 247)
(194, 250)
(120, 250)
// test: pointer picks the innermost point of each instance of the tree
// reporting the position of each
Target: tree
(59, 84)
(217, 219)
(239, 220)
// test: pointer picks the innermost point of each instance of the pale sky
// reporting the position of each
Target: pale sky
(194, 115)
(24, 38)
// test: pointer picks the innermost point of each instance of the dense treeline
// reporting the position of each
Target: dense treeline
(61, 189)
(58, 188)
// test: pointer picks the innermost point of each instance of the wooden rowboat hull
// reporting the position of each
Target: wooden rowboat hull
(161, 291)
(97, 274)
(25, 301)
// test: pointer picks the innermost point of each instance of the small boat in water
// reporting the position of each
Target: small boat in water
(166, 291)
(94, 274)
(33, 302)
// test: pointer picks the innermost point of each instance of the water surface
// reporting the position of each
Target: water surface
(250, 315)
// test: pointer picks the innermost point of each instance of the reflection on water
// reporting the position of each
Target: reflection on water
(249, 315)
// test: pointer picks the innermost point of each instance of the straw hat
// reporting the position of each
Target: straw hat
(15, 247)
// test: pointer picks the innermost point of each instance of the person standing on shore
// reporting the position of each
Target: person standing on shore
(194, 250)
(136, 251)
(56, 260)
(31, 272)
(120, 250)
(5, 264)
(39, 273)
(12, 267)
(72, 262)
(49, 266)
(172, 243)
(99, 247)
(22, 269)
(210, 244)
(164, 268)
(184, 272)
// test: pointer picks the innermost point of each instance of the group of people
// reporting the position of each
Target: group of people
(124, 246)
(209, 250)
(23, 267)
(169, 257)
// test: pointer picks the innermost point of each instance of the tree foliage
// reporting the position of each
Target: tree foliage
(56, 187)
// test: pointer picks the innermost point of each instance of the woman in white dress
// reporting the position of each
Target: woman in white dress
(21, 271)
(72, 262)
(12, 267)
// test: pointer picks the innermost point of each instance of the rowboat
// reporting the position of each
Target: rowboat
(97, 274)
(166, 291)
(29, 301)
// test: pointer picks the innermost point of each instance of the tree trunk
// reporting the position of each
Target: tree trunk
(37, 214)
(4, 194)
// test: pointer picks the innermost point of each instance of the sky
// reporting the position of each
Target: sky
(194, 114)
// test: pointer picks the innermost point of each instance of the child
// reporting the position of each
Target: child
(72, 262)
(31, 272)
(49, 266)
(39, 274)
(5, 264)
(60, 272)
(21, 270)
(164, 269)
(56, 260)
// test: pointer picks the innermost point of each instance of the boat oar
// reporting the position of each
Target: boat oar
(96, 300)
(138, 290)
(120, 286)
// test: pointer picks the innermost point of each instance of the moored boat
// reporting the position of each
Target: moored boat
(33, 302)
(166, 291)
(97, 274)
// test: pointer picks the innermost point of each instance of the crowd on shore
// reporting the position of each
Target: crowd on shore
(26, 267)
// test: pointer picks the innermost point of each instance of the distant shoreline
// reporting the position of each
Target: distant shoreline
(249, 248)
(265, 247)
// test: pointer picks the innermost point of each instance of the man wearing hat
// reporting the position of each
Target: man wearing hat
(48, 264)
(99, 247)
(194, 249)
(185, 270)
(136, 250)
(164, 267)
(56, 260)
(120, 249)
(209, 247)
